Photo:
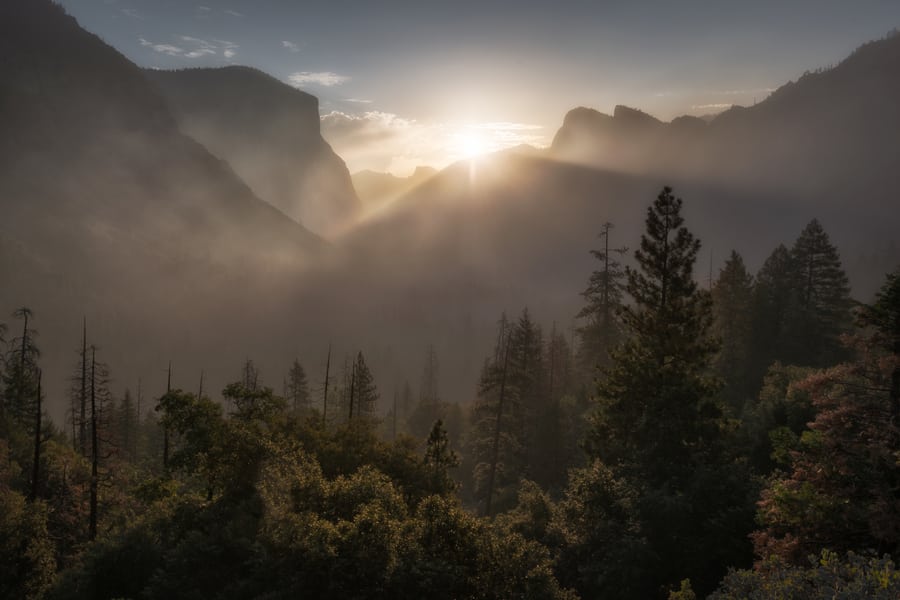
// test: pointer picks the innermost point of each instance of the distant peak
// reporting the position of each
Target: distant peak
(633, 115)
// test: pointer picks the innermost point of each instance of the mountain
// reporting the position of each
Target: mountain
(110, 211)
(269, 133)
(377, 189)
(829, 136)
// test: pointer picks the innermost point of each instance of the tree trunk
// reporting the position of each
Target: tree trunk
(496, 448)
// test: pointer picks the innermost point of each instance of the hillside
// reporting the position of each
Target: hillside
(269, 133)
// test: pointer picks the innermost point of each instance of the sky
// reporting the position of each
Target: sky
(408, 83)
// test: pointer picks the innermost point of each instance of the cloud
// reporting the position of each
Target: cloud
(713, 106)
(357, 100)
(234, 13)
(324, 79)
(162, 48)
(290, 46)
(197, 47)
(131, 12)
(383, 141)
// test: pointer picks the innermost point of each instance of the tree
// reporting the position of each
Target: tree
(429, 408)
(658, 427)
(732, 297)
(101, 438)
(822, 312)
(839, 491)
(363, 393)
(439, 459)
(602, 330)
(491, 445)
(250, 375)
(297, 389)
(20, 377)
(773, 299)
(657, 411)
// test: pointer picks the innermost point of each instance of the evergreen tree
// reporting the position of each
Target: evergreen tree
(732, 297)
(822, 312)
(20, 376)
(658, 426)
(439, 459)
(773, 299)
(602, 330)
(656, 402)
(250, 378)
(297, 389)
(363, 392)
(429, 408)
(839, 491)
(127, 426)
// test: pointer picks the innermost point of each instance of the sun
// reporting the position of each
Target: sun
(471, 144)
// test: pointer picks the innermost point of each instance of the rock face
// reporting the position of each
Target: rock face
(109, 211)
(269, 133)
(829, 134)
(86, 137)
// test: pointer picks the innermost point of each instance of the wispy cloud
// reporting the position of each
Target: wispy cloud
(132, 12)
(192, 47)
(358, 100)
(290, 46)
(712, 106)
(162, 48)
(323, 78)
(234, 13)
(383, 141)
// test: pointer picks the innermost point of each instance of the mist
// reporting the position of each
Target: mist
(197, 232)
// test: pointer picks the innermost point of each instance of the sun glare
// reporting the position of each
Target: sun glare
(471, 144)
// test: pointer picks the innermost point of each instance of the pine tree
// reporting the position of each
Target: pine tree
(658, 427)
(297, 389)
(822, 312)
(20, 376)
(732, 297)
(511, 394)
(840, 488)
(603, 296)
(250, 376)
(439, 459)
(429, 409)
(364, 395)
(773, 301)
(657, 409)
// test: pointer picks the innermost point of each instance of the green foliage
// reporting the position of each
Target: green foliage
(839, 488)
(657, 411)
(822, 294)
(732, 297)
(604, 298)
(660, 432)
(829, 576)
(27, 564)
(772, 425)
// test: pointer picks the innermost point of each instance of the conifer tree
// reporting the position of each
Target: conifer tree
(297, 389)
(429, 408)
(656, 401)
(822, 310)
(20, 376)
(732, 297)
(363, 392)
(773, 301)
(602, 330)
(658, 426)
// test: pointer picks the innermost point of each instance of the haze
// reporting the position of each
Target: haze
(449, 301)
(404, 84)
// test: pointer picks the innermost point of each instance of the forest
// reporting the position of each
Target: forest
(730, 436)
